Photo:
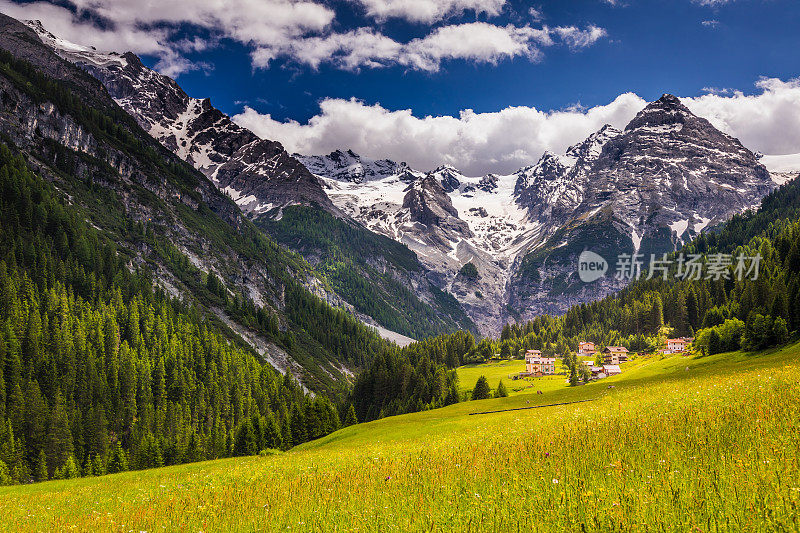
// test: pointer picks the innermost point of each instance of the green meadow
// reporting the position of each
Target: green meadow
(672, 444)
(504, 369)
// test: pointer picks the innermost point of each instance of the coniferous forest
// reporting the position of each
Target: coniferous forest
(101, 372)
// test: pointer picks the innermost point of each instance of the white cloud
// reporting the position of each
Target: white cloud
(768, 121)
(248, 21)
(710, 23)
(479, 42)
(363, 47)
(577, 38)
(476, 143)
(62, 23)
(428, 11)
(148, 27)
(712, 3)
(299, 30)
(514, 137)
(718, 90)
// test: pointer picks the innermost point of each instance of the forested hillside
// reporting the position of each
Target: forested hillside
(100, 371)
(727, 312)
(168, 218)
(370, 271)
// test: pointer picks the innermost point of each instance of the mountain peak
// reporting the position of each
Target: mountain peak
(666, 111)
(669, 99)
(446, 167)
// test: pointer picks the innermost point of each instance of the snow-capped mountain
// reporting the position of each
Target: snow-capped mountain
(263, 179)
(349, 166)
(258, 174)
(664, 178)
(661, 181)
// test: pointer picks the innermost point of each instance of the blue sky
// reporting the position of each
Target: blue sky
(651, 47)
(302, 71)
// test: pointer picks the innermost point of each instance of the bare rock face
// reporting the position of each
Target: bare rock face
(660, 182)
(645, 189)
(257, 173)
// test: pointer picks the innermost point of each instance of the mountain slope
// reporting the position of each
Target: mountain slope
(664, 179)
(110, 365)
(237, 161)
(263, 179)
(668, 176)
(170, 219)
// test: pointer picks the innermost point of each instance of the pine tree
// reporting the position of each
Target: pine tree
(5, 474)
(656, 316)
(481, 390)
(501, 391)
(118, 462)
(351, 418)
(40, 473)
(272, 433)
(59, 437)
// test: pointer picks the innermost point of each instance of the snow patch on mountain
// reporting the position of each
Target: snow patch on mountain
(783, 168)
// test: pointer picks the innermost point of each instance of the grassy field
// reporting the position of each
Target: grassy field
(502, 370)
(673, 444)
(496, 370)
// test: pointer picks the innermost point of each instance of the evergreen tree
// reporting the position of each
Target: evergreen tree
(59, 437)
(501, 391)
(41, 468)
(351, 418)
(481, 390)
(118, 462)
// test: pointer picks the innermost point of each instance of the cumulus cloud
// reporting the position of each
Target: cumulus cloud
(479, 42)
(476, 143)
(768, 121)
(63, 23)
(297, 30)
(428, 11)
(503, 141)
(149, 27)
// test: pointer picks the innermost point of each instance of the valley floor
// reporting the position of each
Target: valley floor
(677, 444)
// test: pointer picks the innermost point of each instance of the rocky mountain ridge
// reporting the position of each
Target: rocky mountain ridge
(257, 174)
(663, 179)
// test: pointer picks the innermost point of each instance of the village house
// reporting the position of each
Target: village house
(536, 365)
(586, 349)
(597, 372)
(675, 346)
(614, 355)
(678, 345)
(611, 370)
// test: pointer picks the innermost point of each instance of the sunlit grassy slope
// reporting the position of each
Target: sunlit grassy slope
(503, 370)
(676, 444)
